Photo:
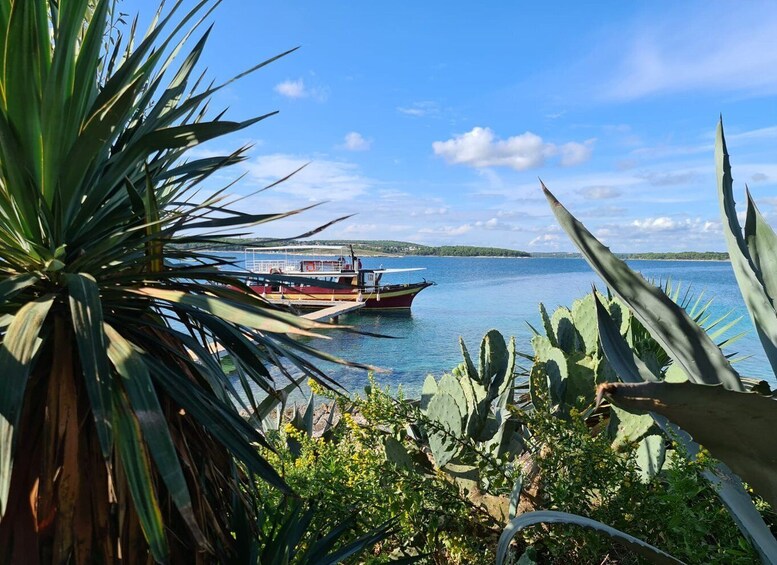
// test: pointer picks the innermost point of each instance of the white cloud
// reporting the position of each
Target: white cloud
(362, 228)
(447, 230)
(545, 240)
(574, 153)
(663, 233)
(662, 223)
(679, 53)
(494, 224)
(296, 89)
(420, 109)
(603, 212)
(599, 192)
(670, 179)
(430, 211)
(354, 141)
(321, 179)
(759, 134)
(292, 89)
(479, 148)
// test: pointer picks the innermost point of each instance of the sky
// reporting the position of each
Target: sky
(432, 122)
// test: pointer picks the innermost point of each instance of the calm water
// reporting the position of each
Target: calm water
(474, 295)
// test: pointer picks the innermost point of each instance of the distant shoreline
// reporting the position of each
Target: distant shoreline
(390, 248)
(623, 257)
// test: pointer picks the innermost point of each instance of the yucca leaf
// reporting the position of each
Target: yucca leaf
(751, 285)
(148, 412)
(86, 310)
(95, 136)
(137, 470)
(10, 286)
(641, 548)
(17, 352)
(681, 338)
(219, 420)
(268, 320)
(317, 552)
(27, 52)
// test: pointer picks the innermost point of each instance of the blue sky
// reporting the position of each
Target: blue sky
(432, 121)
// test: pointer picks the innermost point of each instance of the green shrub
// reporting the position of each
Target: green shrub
(677, 510)
(347, 473)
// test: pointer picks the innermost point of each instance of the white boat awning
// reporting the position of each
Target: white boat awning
(293, 248)
(381, 271)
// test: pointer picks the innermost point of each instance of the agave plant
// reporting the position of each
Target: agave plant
(119, 435)
(712, 406)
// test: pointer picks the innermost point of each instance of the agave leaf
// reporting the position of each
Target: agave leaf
(667, 322)
(715, 417)
(727, 486)
(749, 279)
(762, 245)
(17, 352)
(649, 552)
(626, 364)
(515, 497)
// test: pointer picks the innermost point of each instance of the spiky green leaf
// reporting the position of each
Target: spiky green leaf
(669, 324)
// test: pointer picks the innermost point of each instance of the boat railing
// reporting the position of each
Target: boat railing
(324, 266)
(303, 266)
(272, 266)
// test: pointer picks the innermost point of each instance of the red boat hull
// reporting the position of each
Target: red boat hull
(387, 297)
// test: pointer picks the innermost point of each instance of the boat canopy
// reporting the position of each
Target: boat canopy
(293, 248)
(407, 270)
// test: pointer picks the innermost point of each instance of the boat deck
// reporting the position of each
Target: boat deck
(334, 309)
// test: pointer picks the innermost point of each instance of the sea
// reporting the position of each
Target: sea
(473, 295)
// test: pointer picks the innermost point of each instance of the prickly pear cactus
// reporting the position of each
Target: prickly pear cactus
(445, 412)
(568, 362)
(471, 402)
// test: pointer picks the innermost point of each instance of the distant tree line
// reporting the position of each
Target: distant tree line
(473, 251)
(376, 247)
(681, 256)
(673, 256)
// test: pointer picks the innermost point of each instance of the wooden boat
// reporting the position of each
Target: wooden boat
(310, 276)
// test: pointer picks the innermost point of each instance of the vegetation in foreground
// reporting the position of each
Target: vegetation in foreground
(120, 437)
(451, 488)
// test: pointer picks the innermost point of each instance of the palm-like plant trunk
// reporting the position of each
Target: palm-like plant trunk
(67, 504)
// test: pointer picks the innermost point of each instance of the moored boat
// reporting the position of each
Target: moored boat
(306, 277)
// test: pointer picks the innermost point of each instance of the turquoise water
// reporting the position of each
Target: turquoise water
(474, 295)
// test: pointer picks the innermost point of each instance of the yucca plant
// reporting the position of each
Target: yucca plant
(713, 406)
(119, 434)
